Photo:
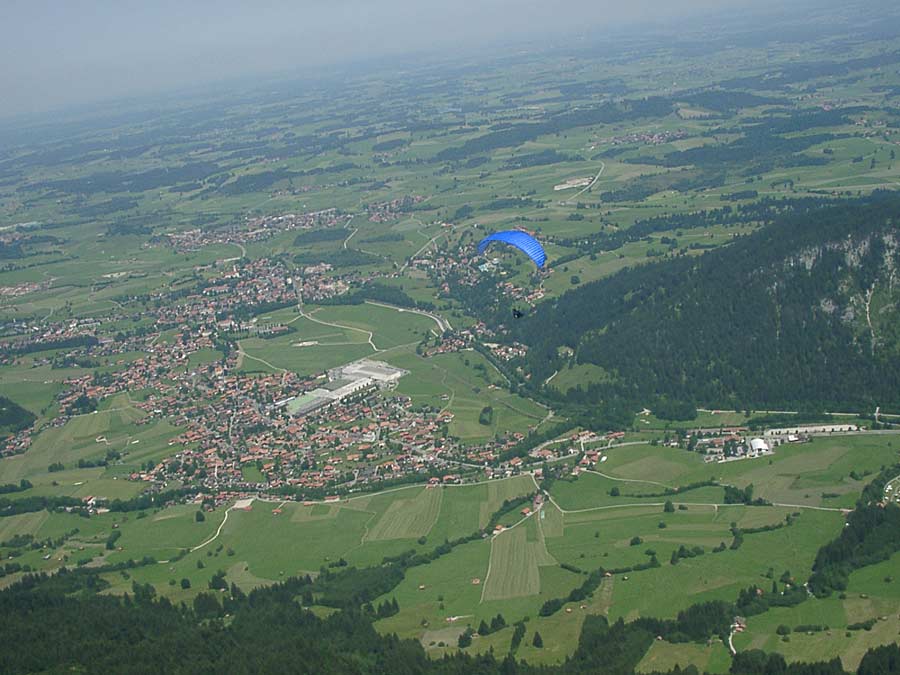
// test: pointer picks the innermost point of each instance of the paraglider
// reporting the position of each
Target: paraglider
(522, 241)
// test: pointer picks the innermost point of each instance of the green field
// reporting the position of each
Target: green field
(463, 384)
(664, 656)
(514, 566)
(175, 236)
(408, 518)
(518, 570)
(797, 474)
(89, 437)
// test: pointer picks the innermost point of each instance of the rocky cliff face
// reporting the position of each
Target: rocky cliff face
(867, 293)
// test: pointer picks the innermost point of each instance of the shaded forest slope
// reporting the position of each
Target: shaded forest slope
(801, 314)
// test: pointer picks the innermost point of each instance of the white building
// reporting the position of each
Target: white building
(811, 429)
(758, 445)
(380, 372)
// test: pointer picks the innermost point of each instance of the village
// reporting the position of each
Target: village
(295, 436)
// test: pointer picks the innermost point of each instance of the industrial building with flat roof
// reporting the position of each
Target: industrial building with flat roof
(345, 381)
(379, 371)
(307, 403)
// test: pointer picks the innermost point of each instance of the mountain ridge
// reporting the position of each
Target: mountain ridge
(802, 313)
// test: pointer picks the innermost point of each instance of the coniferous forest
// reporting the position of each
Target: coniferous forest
(781, 317)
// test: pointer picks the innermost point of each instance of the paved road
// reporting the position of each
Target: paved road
(443, 324)
(417, 253)
(368, 333)
(350, 236)
(791, 412)
(588, 186)
(712, 505)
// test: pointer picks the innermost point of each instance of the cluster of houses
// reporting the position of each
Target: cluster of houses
(449, 343)
(253, 229)
(293, 431)
(507, 352)
(24, 288)
(726, 444)
(648, 137)
(574, 444)
(805, 431)
(465, 268)
(531, 295)
(383, 212)
(242, 285)
(373, 439)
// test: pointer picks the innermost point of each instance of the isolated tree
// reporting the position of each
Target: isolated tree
(218, 582)
(537, 641)
(200, 516)
(669, 507)
(185, 583)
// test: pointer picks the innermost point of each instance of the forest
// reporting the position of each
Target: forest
(722, 328)
(268, 630)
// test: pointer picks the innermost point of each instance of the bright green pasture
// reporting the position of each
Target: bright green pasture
(582, 375)
(873, 593)
(252, 474)
(389, 327)
(330, 336)
(715, 576)
(408, 518)
(516, 558)
(664, 656)
(463, 384)
(801, 474)
(90, 437)
(80, 438)
(302, 538)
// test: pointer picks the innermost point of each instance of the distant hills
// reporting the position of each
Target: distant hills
(801, 314)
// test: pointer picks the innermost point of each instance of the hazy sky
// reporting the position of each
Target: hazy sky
(61, 52)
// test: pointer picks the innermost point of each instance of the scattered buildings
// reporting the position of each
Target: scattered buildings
(811, 430)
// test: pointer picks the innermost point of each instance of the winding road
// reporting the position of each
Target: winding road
(309, 315)
(442, 323)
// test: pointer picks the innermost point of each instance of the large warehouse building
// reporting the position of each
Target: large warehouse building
(343, 382)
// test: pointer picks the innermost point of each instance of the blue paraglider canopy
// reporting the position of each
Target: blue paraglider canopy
(521, 240)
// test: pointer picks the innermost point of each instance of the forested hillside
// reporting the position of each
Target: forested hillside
(13, 417)
(268, 631)
(802, 313)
